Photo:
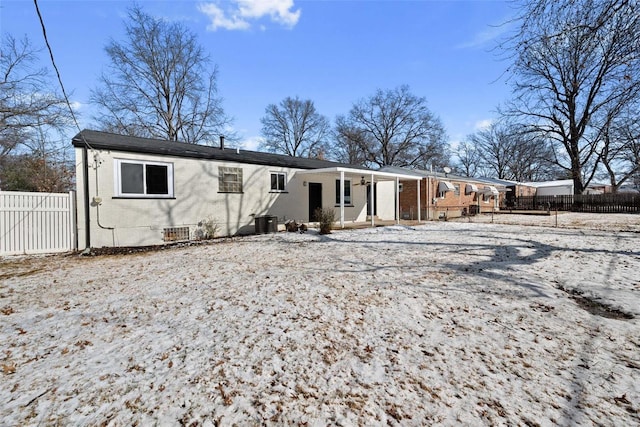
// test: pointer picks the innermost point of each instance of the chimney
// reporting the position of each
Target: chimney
(222, 142)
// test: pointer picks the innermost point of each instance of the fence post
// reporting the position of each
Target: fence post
(73, 221)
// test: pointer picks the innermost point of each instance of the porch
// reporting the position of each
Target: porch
(367, 179)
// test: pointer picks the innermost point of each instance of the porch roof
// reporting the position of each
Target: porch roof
(378, 175)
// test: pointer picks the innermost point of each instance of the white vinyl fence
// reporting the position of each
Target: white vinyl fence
(35, 223)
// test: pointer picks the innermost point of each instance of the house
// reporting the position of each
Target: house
(137, 191)
(562, 187)
(443, 195)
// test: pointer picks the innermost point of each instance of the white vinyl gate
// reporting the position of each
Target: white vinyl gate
(35, 223)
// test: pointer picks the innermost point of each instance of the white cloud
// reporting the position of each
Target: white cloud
(77, 105)
(486, 36)
(239, 14)
(250, 143)
(219, 19)
(482, 124)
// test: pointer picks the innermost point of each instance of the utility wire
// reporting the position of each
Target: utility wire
(55, 67)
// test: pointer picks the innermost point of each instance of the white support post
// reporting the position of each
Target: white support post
(373, 201)
(428, 191)
(341, 199)
(418, 192)
(397, 200)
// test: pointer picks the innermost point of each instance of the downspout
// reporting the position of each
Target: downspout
(85, 173)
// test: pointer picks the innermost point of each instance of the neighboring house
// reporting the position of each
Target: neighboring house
(445, 195)
(563, 187)
(137, 191)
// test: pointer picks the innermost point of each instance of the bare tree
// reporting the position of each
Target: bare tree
(620, 150)
(295, 128)
(495, 148)
(395, 128)
(530, 159)
(348, 141)
(33, 119)
(160, 83)
(506, 151)
(574, 59)
(29, 107)
(468, 159)
(35, 172)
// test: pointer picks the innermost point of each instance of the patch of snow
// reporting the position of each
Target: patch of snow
(446, 322)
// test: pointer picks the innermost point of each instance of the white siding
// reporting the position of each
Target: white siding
(141, 221)
(120, 221)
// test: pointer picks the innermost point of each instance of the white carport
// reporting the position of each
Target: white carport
(368, 176)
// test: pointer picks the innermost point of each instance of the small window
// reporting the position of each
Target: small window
(347, 191)
(143, 179)
(457, 189)
(229, 180)
(278, 181)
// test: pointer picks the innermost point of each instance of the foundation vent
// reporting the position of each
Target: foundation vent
(175, 234)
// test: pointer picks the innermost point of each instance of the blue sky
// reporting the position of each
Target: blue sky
(332, 52)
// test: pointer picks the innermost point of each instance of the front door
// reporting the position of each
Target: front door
(315, 199)
(375, 199)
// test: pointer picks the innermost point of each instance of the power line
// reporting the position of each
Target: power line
(55, 67)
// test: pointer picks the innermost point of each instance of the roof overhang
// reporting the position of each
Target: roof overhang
(446, 186)
(351, 172)
(490, 189)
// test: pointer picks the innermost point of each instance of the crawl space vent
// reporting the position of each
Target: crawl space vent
(174, 234)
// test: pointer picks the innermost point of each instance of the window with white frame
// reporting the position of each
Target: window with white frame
(347, 191)
(278, 181)
(135, 178)
(229, 180)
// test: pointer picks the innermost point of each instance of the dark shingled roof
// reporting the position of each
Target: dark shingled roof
(132, 144)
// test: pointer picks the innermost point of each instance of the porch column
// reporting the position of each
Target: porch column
(397, 200)
(373, 201)
(341, 199)
(418, 193)
(428, 191)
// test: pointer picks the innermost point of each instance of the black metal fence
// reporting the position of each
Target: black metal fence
(599, 203)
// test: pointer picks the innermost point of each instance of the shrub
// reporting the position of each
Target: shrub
(325, 218)
(207, 229)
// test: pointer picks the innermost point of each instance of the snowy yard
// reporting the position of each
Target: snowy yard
(444, 323)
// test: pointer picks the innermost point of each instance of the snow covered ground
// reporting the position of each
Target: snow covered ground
(444, 323)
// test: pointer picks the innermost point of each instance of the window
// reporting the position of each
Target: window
(347, 191)
(278, 181)
(457, 189)
(143, 179)
(229, 180)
